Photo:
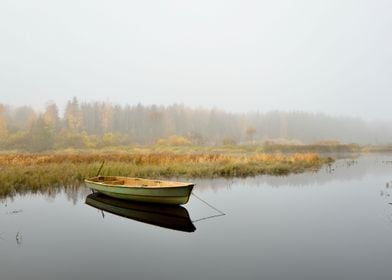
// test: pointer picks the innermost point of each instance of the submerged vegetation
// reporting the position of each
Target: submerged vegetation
(37, 172)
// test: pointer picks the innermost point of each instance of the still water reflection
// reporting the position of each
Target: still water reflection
(333, 224)
(166, 216)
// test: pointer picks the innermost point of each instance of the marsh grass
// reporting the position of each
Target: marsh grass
(20, 173)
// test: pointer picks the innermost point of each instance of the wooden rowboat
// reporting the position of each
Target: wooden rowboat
(142, 190)
(167, 216)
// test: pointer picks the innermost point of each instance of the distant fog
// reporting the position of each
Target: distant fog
(314, 56)
(98, 124)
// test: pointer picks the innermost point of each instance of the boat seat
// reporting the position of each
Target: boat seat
(115, 182)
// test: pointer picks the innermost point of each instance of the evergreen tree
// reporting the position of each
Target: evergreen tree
(41, 136)
(73, 116)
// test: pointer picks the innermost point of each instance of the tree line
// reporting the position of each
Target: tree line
(102, 124)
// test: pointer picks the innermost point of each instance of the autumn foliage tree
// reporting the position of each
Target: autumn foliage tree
(103, 124)
(250, 132)
(3, 123)
(51, 117)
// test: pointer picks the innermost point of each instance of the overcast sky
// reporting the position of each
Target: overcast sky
(319, 56)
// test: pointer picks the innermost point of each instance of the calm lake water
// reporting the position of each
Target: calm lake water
(333, 224)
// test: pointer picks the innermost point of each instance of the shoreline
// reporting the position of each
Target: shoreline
(33, 172)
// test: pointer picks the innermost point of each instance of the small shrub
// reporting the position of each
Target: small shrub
(174, 140)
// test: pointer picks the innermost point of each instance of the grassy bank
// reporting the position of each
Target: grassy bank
(37, 172)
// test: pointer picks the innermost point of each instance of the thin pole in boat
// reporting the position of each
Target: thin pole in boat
(99, 171)
(100, 168)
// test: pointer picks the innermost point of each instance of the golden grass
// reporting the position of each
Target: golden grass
(35, 172)
(151, 158)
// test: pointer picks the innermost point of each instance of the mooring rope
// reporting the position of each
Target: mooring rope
(221, 213)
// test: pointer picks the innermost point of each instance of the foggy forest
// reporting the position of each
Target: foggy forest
(103, 124)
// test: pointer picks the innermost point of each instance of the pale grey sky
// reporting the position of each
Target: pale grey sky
(320, 56)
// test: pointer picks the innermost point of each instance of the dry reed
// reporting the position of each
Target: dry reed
(35, 172)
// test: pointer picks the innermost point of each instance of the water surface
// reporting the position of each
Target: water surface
(333, 224)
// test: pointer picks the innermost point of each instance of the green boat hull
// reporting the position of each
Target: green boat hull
(174, 195)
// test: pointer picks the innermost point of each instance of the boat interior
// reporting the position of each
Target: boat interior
(134, 182)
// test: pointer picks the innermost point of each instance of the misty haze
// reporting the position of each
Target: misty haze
(103, 124)
(195, 139)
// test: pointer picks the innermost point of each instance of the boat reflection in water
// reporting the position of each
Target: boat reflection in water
(167, 216)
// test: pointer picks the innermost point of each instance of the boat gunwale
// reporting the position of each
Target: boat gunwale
(184, 184)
